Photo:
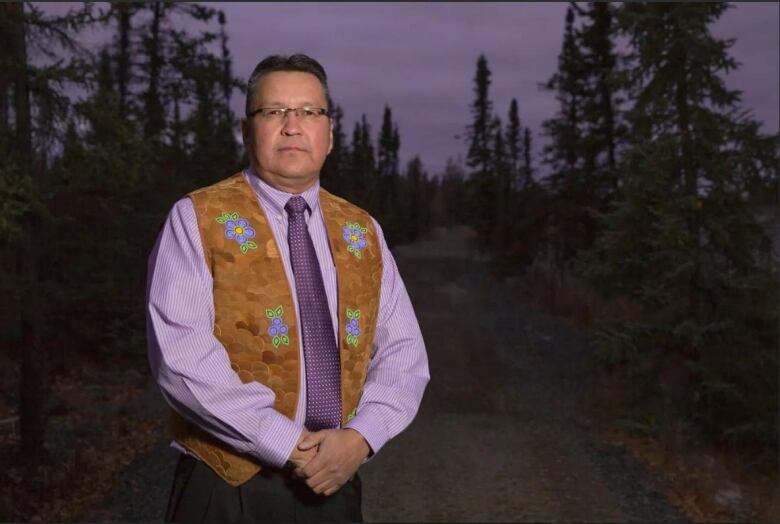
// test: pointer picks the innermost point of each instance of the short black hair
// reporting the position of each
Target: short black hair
(297, 62)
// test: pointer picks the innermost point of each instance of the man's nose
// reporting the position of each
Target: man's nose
(291, 123)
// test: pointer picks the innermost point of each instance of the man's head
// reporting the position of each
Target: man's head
(287, 148)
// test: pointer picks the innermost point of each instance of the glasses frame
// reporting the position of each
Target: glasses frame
(320, 111)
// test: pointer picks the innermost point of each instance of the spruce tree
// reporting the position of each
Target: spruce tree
(39, 108)
(388, 145)
(528, 171)
(336, 170)
(570, 179)
(482, 180)
(682, 240)
(514, 141)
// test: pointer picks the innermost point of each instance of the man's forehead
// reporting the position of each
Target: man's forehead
(286, 84)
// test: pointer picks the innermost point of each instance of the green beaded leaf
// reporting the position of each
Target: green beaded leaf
(364, 230)
(352, 414)
(285, 340)
(279, 311)
(269, 313)
(276, 341)
(350, 314)
(234, 216)
(356, 313)
(250, 245)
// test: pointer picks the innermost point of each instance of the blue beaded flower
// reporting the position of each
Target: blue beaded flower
(238, 229)
(353, 328)
(278, 329)
(353, 234)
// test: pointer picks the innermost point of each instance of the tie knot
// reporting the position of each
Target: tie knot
(296, 205)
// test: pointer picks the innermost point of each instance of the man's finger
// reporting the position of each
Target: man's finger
(314, 466)
(319, 478)
(329, 484)
(311, 440)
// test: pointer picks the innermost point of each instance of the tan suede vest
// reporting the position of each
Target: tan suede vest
(255, 318)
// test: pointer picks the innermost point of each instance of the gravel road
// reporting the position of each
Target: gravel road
(503, 433)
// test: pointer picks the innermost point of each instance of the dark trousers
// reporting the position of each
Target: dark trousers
(273, 495)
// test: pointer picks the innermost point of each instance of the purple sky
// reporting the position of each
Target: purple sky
(419, 58)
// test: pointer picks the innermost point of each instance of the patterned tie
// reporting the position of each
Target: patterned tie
(320, 352)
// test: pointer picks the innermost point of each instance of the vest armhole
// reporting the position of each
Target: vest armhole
(205, 251)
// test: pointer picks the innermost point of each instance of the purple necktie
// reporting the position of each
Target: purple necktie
(320, 352)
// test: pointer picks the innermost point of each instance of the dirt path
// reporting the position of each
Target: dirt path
(502, 434)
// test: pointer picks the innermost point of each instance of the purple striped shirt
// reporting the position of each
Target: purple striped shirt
(192, 367)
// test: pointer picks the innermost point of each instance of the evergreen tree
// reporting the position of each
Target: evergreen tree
(362, 182)
(335, 171)
(681, 240)
(38, 110)
(601, 109)
(514, 140)
(387, 155)
(571, 180)
(417, 200)
(123, 12)
(528, 171)
(450, 197)
(503, 189)
(480, 131)
(389, 184)
(482, 181)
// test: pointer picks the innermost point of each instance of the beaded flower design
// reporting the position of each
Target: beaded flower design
(353, 234)
(238, 229)
(278, 328)
(353, 327)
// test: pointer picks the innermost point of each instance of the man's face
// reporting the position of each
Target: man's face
(288, 153)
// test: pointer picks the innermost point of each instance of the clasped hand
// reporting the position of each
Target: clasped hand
(327, 459)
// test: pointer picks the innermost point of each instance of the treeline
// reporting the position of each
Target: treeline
(658, 205)
(368, 172)
(654, 190)
(96, 145)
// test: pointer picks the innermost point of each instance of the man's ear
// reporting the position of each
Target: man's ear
(330, 147)
(245, 131)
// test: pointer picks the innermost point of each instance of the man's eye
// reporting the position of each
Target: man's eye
(308, 111)
(274, 112)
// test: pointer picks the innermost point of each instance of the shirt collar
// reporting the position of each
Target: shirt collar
(277, 198)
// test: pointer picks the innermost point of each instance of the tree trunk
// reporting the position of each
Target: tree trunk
(32, 391)
(689, 179)
(606, 63)
(123, 56)
(154, 111)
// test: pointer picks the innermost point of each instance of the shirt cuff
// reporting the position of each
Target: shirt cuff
(279, 435)
(369, 424)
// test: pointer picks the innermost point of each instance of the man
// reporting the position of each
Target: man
(279, 329)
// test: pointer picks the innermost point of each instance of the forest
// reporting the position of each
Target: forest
(654, 227)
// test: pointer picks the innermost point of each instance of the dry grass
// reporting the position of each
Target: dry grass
(91, 436)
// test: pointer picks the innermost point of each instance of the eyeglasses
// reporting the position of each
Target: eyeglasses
(277, 114)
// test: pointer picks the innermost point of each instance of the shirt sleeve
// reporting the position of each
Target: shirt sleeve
(398, 372)
(189, 363)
